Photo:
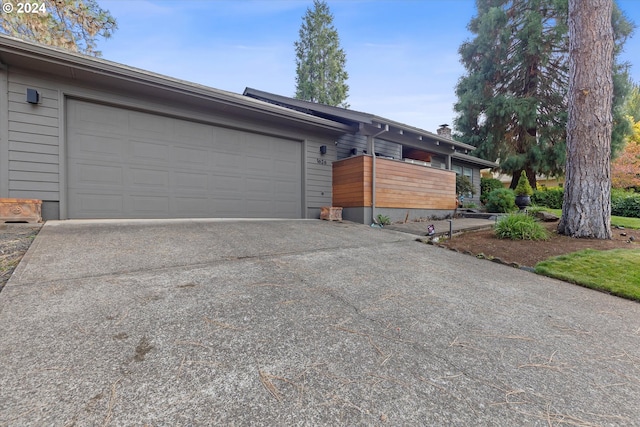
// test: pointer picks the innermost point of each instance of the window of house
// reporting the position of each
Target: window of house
(468, 172)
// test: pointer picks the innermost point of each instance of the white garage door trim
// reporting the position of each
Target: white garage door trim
(123, 163)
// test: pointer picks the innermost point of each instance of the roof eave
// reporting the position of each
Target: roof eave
(111, 69)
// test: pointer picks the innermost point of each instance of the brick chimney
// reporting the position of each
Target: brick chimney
(444, 131)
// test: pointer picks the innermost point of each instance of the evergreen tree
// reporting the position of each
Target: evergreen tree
(512, 103)
(586, 206)
(69, 24)
(320, 61)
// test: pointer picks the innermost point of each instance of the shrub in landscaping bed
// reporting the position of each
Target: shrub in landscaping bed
(501, 200)
(625, 203)
(549, 197)
(487, 185)
(520, 226)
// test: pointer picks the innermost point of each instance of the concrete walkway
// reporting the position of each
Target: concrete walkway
(442, 226)
(301, 323)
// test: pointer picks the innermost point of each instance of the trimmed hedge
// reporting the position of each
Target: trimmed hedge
(623, 203)
(549, 197)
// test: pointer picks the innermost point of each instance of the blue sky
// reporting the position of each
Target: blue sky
(402, 55)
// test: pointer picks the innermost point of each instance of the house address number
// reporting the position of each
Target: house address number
(321, 161)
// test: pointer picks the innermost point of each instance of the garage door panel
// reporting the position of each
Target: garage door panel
(149, 178)
(231, 161)
(97, 175)
(284, 168)
(195, 133)
(101, 204)
(227, 182)
(190, 157)
(108, 120)
(146, 205)
(260, 187)
(182, 206)
(228, 140)
(227, 207)
(91, 146)
(144, 124)
(160, 167)
(149, 152)
(185, 181)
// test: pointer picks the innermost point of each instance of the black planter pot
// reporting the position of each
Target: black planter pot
(523, 201)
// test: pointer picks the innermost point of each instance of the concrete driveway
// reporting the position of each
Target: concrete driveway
(269, 323)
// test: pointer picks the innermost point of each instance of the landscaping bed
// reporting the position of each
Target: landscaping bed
(528, 253)
(15, 240)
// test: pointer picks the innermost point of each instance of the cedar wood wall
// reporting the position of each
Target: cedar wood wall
(398, 184)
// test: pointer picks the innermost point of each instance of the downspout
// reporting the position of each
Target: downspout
(373, 171)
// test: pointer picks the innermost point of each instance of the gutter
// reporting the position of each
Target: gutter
(47, 54)
(373, 172)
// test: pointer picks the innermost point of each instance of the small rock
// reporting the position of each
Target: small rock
(632, 238)
(546, 216)
(619, 227)
(623, 234)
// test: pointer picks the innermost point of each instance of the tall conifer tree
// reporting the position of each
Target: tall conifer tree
(586, 206)
(512, 103)
(320, 61)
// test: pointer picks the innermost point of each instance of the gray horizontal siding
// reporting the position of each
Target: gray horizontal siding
(30, 176)
(33, 138)
(33, 157)
(319, 176)
(33, 141)
(388, 149)
(35, 167)
(35, 128)
(28, 147)
(33, 134)
(359, 142)
(37, 194)
(349, 141)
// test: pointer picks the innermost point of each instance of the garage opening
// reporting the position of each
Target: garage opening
(128, 164)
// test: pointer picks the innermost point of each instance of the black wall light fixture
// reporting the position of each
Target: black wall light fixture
(323, 149)
(33, 97)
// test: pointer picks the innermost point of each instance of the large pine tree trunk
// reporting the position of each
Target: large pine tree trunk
(586, 209)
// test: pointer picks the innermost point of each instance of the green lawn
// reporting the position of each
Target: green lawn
(616, 271)
(615, 220)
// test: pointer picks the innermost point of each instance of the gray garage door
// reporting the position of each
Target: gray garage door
(129, 164)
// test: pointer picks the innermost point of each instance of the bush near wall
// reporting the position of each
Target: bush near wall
(487, 185)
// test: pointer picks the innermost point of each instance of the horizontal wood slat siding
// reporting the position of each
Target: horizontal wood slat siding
(352, 182)
(398, 185)
(408, 186)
